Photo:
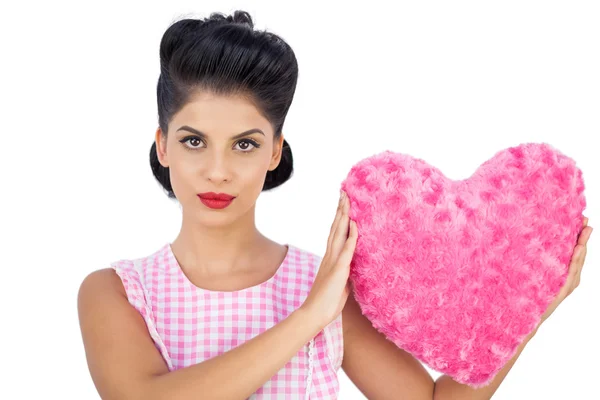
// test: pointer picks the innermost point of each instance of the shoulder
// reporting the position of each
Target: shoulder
(121, 279)
(111, 289)
(98, 290)
(101, 281)
(118, 348)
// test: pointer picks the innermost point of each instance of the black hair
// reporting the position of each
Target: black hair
(225, 55)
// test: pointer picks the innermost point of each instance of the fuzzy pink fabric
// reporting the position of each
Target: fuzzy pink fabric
(458, 273)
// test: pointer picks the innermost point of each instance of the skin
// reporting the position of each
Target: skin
(378, 368)
(221, 245)
(223, 250)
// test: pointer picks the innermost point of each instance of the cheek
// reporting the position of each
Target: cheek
(254, 171)
(183, 172)
(253, 174)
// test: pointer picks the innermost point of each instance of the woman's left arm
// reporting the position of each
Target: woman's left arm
(377, 367)
(381, 370)
(446, 388)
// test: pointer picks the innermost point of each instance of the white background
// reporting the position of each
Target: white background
(449, 82)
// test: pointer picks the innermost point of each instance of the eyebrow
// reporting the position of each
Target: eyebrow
(203, 135)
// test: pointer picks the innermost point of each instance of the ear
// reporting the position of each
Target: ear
(161, 148)
(277, 152)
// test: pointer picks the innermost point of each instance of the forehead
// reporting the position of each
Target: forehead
(215, 114)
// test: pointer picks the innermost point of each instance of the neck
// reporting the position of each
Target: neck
(214, 250)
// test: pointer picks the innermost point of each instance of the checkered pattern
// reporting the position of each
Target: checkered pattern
(189, 324)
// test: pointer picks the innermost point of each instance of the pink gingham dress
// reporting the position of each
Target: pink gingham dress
(189, 324)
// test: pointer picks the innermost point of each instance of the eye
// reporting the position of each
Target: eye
(244, 148)
(246, 143)
(196, 139)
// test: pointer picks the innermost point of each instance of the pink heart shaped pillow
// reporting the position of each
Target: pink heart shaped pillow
(459, 272)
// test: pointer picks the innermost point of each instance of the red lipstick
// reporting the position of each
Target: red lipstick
(215, 200)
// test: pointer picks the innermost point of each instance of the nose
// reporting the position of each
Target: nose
(217, 168)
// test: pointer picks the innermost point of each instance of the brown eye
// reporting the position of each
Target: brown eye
(245, 145)
(193, 140)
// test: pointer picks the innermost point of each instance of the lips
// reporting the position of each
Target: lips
(216, 196)
(215, 200)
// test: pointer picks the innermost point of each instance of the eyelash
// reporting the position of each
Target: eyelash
(252, 142)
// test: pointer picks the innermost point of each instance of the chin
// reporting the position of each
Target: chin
(210, 216)
(213, 219)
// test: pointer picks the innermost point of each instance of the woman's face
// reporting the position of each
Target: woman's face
(203, 155)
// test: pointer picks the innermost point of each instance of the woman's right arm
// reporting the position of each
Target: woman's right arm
(125, 364)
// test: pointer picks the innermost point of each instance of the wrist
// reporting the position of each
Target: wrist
(312, 317)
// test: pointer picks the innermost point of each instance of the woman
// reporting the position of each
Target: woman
(223, 311)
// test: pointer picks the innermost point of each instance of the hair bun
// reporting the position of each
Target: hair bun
(238, 17)
(242, 17)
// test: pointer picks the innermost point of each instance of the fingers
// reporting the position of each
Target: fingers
(578, 255)
(585, 220)
(341, 233)
(348, 251)
(575, 268)
(584, 235)
(335, 222)
(577, 278)
(580, 262)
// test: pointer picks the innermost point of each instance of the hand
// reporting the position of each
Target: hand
(575, 268)
(331, 288)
